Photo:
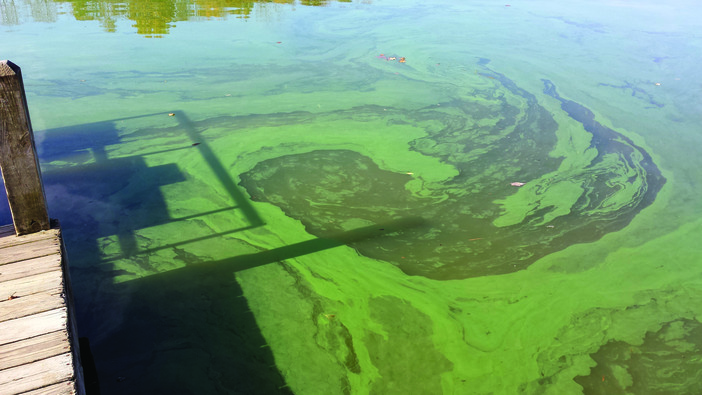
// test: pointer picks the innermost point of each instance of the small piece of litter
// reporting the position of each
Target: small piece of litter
(409, 173)
(171, 114)
(658, 84)
(517, 184)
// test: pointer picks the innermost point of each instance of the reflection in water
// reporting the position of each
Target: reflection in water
(153, 18)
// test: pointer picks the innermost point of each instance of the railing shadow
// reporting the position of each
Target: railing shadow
(197, 317)
(187, 330)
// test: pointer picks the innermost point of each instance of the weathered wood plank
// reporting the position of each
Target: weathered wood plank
(33, 349)
(50, 283)
(13, 240)
(64, 388)
(29, 250)
(7, 230)
(33, 325)
(37, 375)
(30, 267)
(31, 304)
(18, 158)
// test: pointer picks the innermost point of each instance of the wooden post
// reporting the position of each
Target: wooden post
(18, 157)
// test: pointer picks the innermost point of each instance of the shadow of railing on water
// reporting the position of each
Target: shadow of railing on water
(187, 329)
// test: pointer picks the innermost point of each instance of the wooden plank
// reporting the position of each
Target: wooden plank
(33, 325)
(30, 267)
(29, 250)
(37, 375)
(64, 388)
(30, 304)
(51, 283)
(33, 349)
(7, 230)
(13, 240)
(18, 157)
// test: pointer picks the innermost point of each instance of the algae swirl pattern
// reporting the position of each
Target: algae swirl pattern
(478, 223)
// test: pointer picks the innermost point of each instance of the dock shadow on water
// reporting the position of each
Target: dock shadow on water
(159, 226)
(181, 333)
(169, 329)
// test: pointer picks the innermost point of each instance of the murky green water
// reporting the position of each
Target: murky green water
(374, 197)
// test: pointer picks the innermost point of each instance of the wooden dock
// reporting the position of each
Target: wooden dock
(39, 349)
(38, 339)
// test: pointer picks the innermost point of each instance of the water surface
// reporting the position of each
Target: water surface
(385, 197)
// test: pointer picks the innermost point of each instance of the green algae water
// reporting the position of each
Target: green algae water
(374, 197)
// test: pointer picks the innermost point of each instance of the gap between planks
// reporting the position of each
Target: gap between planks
(37, 375)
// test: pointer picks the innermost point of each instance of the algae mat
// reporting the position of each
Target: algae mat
(430, 272)
(377, 197)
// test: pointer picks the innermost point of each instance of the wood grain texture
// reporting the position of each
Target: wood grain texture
(33, 349)
(30, 267)
(25, 251)
(39, 352)
(33, 325)
(64, 388)
(50, 283)
(31, 304)
(37, 374)
(18, 158)
(10, 239)
(7, 230)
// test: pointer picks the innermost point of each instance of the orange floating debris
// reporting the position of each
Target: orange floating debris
(402, 60)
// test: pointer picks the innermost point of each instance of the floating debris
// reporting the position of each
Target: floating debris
(517, 184)
(402, 60)
(171, 114)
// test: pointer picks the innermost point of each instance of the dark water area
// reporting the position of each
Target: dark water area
(5, 215)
